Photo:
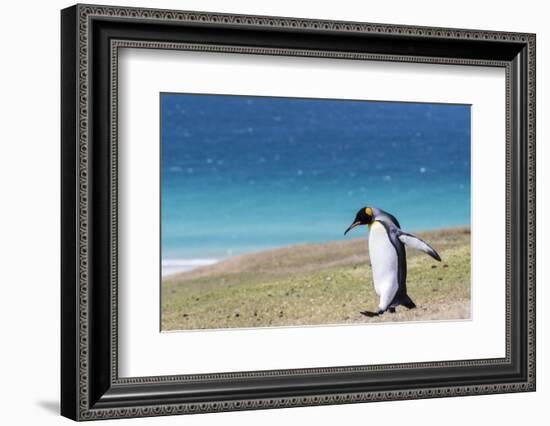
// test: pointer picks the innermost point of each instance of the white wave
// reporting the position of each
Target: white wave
(174, 266)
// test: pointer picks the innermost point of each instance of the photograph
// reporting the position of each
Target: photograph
(281, 211)
(264, 210)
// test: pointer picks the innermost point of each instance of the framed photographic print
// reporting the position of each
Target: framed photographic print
(263, 212)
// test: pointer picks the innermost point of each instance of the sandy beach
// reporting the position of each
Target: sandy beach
(314, 284)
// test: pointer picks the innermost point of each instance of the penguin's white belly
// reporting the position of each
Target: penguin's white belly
(383, 259)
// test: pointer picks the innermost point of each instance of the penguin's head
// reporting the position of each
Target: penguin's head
(363, 217)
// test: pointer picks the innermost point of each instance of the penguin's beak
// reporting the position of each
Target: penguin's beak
(353, 225)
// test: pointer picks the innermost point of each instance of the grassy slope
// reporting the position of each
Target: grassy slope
(316, 284)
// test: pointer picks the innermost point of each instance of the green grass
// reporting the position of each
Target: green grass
(316, 284)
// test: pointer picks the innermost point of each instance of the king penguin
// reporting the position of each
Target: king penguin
(388, 257)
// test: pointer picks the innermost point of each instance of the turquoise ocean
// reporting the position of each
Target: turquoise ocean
(242, 174)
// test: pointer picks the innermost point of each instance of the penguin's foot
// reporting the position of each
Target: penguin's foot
(391, 310)
(369, 314)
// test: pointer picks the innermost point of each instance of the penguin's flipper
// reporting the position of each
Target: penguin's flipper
(415, 242)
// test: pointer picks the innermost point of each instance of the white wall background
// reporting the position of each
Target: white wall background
(29, 212)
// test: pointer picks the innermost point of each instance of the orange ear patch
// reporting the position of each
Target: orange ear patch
(368, 211)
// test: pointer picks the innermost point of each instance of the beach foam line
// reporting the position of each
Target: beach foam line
(174, 266)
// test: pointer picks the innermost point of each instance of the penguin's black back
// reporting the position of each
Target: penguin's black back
(383, 215)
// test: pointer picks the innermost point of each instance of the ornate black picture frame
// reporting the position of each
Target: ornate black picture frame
(91, 36)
